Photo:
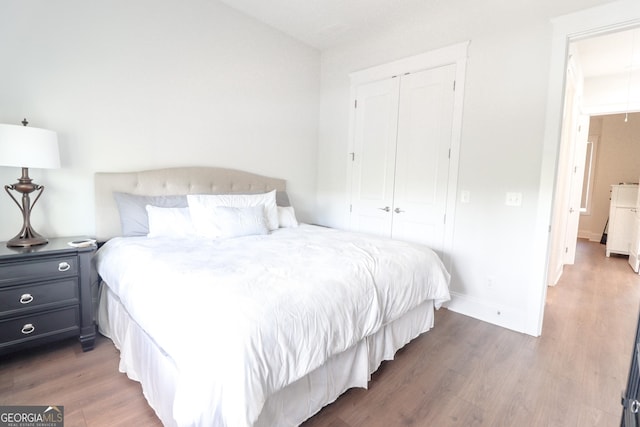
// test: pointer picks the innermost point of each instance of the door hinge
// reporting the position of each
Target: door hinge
(350, 208)
(454, 85)
(449, 155)
(355, 104)
(353, 156)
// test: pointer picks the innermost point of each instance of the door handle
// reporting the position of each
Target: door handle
(386, 209)
(398, 210)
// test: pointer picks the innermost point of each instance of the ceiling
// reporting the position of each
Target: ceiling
(614, 53)
(326, 23)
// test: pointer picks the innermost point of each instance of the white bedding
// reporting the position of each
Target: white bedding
(242, 318)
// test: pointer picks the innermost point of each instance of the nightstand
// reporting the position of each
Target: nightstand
(45, 295)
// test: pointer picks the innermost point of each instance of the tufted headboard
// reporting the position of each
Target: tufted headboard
(171, 181)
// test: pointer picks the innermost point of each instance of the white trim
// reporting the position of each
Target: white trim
(605, 110)
(480, 309)
(424, 61)
(590, 236)
(456, 138)
(594, 141)
(455, 54)
(599, 20)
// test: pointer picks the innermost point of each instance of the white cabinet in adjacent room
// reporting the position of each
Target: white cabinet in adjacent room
(622, 213)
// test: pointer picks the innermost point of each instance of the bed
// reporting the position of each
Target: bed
(237, 328)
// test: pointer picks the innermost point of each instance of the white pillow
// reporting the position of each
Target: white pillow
(235, 222)
(201, 208)
(169, 222)
(287, 217)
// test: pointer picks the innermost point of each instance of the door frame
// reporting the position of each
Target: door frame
(575, 194)
(455, 54)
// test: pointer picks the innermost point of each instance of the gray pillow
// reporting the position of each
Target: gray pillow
(133, 214)
(282, 199)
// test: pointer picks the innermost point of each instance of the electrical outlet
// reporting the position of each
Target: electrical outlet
(513, 199)
(491, 282)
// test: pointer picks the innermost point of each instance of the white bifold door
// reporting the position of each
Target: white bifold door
(402, 139)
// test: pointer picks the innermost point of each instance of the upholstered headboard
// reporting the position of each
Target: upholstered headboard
(171, 181)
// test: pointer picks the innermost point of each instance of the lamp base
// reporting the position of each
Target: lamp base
(27, 238)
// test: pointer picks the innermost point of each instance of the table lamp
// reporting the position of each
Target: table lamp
(27, 147)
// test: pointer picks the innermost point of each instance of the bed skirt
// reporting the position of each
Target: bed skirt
(143, 361)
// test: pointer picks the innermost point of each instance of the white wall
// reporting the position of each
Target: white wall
(141, 84)
(612, 94)
(502, 148)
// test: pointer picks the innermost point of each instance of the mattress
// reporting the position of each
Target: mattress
(240, 323)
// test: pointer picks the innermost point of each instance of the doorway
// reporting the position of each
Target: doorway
(616, 160)
(604, 19)
(603, 78)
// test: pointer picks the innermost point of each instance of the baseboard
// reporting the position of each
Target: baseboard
(589, 235)
(506, 317)
(556, 276)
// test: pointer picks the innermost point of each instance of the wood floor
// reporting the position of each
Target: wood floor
(462, 373)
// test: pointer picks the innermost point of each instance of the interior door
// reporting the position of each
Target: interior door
(634, 246)
(575, 189)
(425, 123)
(375, 132)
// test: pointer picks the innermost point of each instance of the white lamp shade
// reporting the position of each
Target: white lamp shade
(28, 147)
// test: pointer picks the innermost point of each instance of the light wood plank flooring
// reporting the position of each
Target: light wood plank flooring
(462, 373)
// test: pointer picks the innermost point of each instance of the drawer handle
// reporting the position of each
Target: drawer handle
(64, 266)
(26, 298)
(28, 328)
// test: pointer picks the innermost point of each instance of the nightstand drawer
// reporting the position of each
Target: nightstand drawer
(39, 325)
(14, 300)
(45, 295)
(43, 268)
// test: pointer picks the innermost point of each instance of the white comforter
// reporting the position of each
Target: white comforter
(244, 317)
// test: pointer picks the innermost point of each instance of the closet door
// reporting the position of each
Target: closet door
(422, 156)
(375, 131)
